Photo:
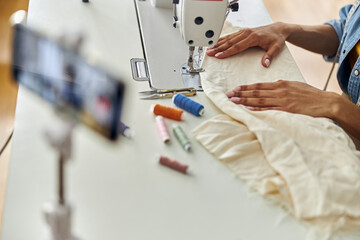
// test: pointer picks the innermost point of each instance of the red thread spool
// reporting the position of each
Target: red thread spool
(168, 112)
(173, 164)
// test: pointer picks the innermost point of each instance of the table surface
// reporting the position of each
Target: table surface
(117, 189)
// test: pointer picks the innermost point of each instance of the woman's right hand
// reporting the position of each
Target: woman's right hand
(271, 38)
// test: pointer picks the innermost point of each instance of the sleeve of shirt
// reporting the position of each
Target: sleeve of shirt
(338, 25)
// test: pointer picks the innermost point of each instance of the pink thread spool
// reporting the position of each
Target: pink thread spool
(162, 129)
(173, 164)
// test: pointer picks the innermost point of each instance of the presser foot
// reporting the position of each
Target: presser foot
(195, 70)
(190, 79)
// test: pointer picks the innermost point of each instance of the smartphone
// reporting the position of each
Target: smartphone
(64, 79)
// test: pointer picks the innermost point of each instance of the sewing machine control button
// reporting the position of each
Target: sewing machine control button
(356, 72)
(199, 20)
(209, 34)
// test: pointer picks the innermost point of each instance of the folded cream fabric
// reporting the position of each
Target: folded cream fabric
(309, 165)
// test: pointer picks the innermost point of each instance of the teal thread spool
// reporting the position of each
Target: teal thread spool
(181, 137)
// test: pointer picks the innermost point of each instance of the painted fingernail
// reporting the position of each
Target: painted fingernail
(267, 62)
(235, 99)
(229, 94)
(218, 54)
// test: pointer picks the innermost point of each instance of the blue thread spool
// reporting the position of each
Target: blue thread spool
(188, 105)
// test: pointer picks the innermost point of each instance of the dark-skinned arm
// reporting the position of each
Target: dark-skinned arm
(320, 39)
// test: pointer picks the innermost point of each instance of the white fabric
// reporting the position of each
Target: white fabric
(309, 165)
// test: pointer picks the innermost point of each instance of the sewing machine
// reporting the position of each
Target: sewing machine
(199, 24)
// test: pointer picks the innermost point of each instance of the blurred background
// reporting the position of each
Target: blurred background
(314, 69)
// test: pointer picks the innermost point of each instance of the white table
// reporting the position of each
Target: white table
(117, 189)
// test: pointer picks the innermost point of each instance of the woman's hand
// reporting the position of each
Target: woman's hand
(271, 38)
(289, 96)
(298, 97)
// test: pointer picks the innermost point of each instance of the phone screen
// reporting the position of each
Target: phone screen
(66, 80)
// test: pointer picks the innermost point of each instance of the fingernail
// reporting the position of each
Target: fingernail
(229, 94)
(267, 62)
(235, 99)
(251, 108)
(218, 54)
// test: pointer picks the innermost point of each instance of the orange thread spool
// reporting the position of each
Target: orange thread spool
(168, 112)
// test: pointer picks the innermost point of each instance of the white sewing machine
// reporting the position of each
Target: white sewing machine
(200, 23)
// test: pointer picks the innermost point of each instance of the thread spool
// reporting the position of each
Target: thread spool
(168, 112)
(162, 129)
(181, 137)
(125, 130)
(188, 105)
(173, 164)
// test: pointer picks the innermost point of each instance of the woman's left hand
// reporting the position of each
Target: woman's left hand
(289, 96)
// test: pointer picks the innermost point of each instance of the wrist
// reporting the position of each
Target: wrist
(289, 30)
(284, 29)
(336, 104)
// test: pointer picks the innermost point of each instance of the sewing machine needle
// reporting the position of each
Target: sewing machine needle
(200, 52)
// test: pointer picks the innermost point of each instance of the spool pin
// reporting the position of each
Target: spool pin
(168, 112)
(188, 104)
